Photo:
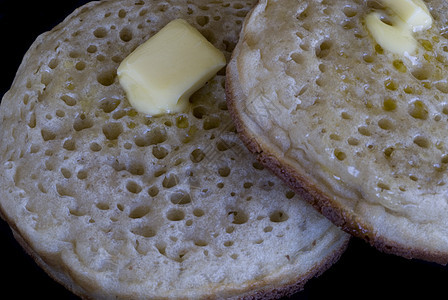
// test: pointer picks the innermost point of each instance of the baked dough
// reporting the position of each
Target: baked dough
(358, 131)
(116, 204)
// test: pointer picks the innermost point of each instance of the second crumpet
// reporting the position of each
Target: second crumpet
(347, 102)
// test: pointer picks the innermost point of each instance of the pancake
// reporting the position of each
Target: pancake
(357, 130)
(115, 204)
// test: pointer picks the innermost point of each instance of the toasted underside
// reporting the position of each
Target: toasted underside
(115, 204)
(358, 132)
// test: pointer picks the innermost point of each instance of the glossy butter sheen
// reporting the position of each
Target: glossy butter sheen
(161, 74)
(407, 16)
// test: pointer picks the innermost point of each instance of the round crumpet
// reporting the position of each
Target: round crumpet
(357, 128)
(112, 203)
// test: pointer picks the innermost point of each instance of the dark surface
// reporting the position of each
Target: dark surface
(361, 272)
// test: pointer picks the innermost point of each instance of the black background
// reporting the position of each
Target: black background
(361, 272)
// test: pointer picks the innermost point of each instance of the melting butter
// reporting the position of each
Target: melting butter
(412, 12)
(161, 74)
(408, 16)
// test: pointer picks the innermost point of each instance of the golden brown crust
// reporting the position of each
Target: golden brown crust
(275, 293)
(298, 285)
(66, 282)
(323, 202)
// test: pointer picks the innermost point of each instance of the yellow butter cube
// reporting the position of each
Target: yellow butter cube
(397, 39)
(162, 73)
(408, 16)
(414, 12)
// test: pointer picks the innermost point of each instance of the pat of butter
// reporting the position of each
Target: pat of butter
(408, 16)
(162, 73)
(413, 12)
(396, 39)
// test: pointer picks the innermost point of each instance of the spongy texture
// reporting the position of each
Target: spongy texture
(116, 204)
(360, 127)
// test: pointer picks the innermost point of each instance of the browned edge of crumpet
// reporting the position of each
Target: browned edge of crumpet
(66, 281)
(276, 293)
(298, 284)
(292, 288)
(323, 202)
(286, 290)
